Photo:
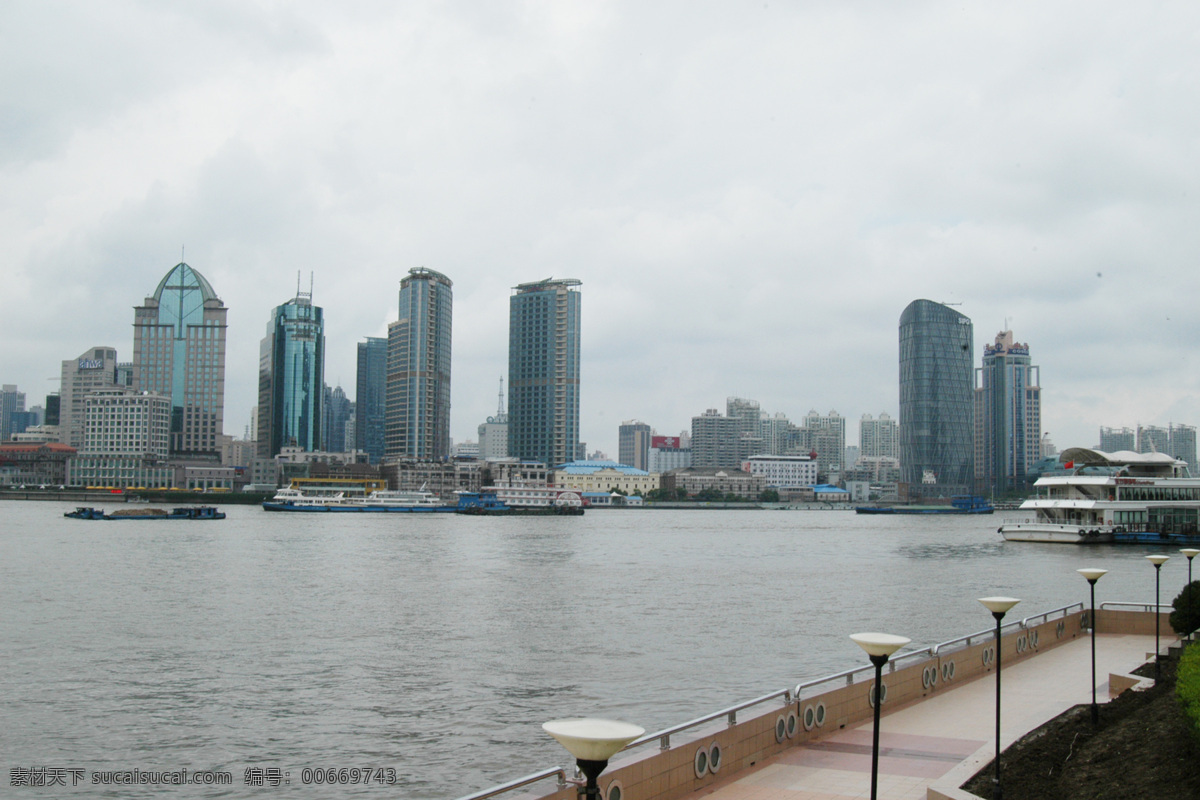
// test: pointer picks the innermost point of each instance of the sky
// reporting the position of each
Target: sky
(750, 193)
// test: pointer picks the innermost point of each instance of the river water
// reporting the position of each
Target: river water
(436, 645)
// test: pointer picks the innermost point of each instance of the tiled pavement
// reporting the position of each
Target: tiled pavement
(945, 739)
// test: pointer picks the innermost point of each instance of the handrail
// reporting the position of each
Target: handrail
(519, 782)
(788, 695)
(1142, 606)
(664, 736)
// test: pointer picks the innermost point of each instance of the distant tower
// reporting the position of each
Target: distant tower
(291, 377)
(633, 444)
(543, 371)
(1008, 415)
(493, 434)
(418, 369)
(369, 403)
(936, 400)
(179, 353)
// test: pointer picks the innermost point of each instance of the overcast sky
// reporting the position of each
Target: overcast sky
(750, 193)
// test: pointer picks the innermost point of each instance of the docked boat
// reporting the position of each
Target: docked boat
(536, 500)
(1111, 498)
(959, 504)
(378, 501)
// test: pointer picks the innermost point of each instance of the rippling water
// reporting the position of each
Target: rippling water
(437, 644)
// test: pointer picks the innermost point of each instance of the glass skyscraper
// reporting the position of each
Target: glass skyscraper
(937, 401)
(417, 419)
(291, 378)
(543, 371)
(1008, 415)
(370, 392)
(179, 353)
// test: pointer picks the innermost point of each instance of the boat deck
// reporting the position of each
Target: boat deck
(929, 748)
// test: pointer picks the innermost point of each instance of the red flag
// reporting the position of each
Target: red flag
(1069, 464)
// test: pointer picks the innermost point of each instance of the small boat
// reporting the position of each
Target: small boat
(188, 512)
(959, 504)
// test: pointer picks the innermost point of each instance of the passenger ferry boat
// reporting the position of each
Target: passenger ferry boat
(1123, 497)
(378, 501)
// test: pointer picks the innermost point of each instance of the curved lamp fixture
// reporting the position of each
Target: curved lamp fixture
(593, 742)
(878, 646)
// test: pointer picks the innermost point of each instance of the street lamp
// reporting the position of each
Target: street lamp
(1093, 574)
(1191, 553)
(999, 606)
(878, 646)
(593, 742)
(1157, 561)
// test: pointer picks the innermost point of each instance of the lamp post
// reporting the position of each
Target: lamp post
(593, 742)
(878, 646)
(1157, 561)
(999, 606)
(1191, 553)
(1093, 574)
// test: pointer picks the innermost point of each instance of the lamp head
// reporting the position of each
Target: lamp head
(592, 739)
(1158, 561)
(879, 644)
(1092, 574)
(1190, 552)
(999, 605)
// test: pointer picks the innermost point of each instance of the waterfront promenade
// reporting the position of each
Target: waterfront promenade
(930, 747)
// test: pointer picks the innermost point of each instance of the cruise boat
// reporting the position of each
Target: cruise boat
(535, 496)
(378, 501)
(1122, 497)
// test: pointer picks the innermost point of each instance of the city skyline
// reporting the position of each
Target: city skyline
(751, 196)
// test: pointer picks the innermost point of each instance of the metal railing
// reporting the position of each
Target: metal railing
(519, 782)
(663, 737)
(1139, 606)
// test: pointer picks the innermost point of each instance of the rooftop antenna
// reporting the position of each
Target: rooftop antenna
(500, 398)
(182, 250)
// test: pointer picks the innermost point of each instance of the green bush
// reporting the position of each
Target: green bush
(1187, 685)
(1186, 616)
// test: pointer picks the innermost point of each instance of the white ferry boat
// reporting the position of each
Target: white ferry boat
(378, 501)
(1123, 497)
(530, 496)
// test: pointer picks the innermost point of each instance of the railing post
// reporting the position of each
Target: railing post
(732, 718)
(665, 742)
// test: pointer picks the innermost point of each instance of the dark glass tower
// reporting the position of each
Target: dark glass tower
(369, 405)
(291, 378)
(937, 397)
(543, 371)
(179, 352)
(417, 421)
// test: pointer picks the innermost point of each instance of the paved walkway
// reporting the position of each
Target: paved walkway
(944, 740)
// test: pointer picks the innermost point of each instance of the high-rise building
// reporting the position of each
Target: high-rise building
(937, 401)
(543, 371)
(828, 434)
(291, 375)
(1153, 439)
(878, 437)
(336, 410)
(11, 402)
(179, 353)
(94, 370)
(633, 444)
(417, 416)
(1008, 415)
(1183, 443)
(370, 398)
(1113, 440)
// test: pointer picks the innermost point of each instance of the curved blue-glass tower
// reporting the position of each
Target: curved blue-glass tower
(179, 352)
(937, 401)
(291, 378)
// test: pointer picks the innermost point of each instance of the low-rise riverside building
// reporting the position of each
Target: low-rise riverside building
(783, 471)
(37, 463)
(604, 476)
(695, 480)
(126, 437)
(443, 478)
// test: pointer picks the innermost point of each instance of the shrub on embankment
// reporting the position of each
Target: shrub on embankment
(1187, 686)
(1186, 616)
